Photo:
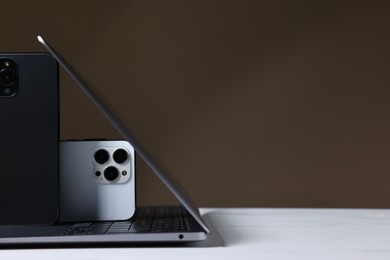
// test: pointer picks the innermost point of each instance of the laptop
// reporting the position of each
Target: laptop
(178, 223)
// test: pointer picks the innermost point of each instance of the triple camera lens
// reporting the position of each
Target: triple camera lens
(9, 78)
(120, 156)
(111, 173)
(102, 156)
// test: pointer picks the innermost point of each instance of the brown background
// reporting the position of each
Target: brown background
(248, 103)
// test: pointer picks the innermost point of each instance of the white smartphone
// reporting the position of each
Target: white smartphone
(97, 180)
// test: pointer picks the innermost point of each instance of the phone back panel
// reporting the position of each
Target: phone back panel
(29, 134)
(86, 197)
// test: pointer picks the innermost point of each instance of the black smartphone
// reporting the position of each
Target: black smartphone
(29, 134)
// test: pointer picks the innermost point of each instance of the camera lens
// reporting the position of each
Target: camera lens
(101, 156)
(111, 173)
(7, 77)
(120, 156)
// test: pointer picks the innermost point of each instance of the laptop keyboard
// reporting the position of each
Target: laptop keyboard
(147, 219)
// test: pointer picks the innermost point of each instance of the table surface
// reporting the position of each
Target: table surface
(254, 233)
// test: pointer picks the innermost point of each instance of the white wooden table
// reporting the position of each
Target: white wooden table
(254, 233)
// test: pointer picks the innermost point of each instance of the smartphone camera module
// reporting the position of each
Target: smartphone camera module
(9, 77)
(112, 165)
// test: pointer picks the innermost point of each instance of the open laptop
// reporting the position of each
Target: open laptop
(181, 223)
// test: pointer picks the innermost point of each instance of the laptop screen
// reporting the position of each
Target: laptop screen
(156, 166)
